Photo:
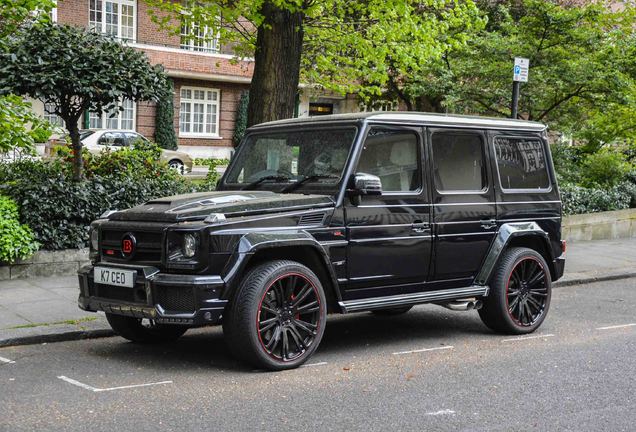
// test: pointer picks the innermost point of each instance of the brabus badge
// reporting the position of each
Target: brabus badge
(128, 244)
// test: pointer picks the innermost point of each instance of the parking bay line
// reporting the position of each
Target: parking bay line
(522, 338)
(423, 350)
(6, 360)
(97, 390)
(616, 326)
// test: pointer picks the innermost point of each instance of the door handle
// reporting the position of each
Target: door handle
(421, 227)
(488, 223)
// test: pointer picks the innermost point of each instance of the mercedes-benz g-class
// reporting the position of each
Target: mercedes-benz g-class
(368, 212)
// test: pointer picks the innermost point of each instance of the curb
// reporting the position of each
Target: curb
(56, 337)
(103, 333)
(592, 279)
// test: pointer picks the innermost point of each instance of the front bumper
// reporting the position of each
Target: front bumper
(165, 298)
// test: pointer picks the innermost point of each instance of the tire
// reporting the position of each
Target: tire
(392, 311)
(177, 165)
(520, 293)
(276, 318)
(135, 330)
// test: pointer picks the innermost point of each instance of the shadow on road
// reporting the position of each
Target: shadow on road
(345, 335)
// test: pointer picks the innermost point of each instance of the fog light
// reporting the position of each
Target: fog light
(207, 316)
(189, 245)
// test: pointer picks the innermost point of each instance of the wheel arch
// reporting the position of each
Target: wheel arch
(525, 234)
(303, 249)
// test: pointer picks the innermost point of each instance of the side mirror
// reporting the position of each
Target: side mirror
(367, 184)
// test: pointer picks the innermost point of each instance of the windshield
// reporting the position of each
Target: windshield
(310, 159)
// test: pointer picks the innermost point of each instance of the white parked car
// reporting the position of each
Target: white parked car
(97, 140)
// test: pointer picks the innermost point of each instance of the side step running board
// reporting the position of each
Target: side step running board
(412, 299)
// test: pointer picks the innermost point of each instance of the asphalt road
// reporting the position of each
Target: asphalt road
(578, 372)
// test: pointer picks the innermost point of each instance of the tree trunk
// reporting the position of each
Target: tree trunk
(274, 86)
(78, 163)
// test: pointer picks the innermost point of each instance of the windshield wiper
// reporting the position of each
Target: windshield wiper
(278, 178)
(304, 180)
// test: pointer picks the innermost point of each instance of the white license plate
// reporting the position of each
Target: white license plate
(113, 276)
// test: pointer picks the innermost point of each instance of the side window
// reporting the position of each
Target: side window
(132, 138)
(393, 156)
(112, 139)
(458, 162)
(521, 163)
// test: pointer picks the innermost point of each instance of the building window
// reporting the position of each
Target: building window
(51, 117)
(197, 37)
(114, 119)
(113, 17)
(199, 112)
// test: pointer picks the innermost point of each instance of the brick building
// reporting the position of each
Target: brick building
(208, 81)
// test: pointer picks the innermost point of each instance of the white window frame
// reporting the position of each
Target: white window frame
(93, 24)
(189, 39)
(50, 116)
(191, 101)
(105, 116)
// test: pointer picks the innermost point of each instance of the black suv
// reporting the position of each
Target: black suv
(368, 212)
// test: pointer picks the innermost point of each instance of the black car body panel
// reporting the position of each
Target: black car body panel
(426, 242)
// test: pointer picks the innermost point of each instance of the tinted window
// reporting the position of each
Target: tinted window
(521, 163)
(112, 139)
(292, 156)
(391, 155)
(458, 160)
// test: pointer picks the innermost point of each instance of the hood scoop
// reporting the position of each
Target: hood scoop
(311, 219)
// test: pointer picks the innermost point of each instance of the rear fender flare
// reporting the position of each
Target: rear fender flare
(505, 234)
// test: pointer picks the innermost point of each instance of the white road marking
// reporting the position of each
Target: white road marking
(6, 360)
(423, 350)
(441, 412)
(314, 364)
(521, 338)
(96, 390)
(616, 326)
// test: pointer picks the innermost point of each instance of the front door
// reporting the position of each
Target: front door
(389, 236)
(464, 210)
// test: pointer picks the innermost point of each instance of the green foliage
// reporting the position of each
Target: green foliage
(567, 161)
(59, 209)
(577, 199)
(605, 168)
(164, 120)
(76, 71)
(212, 177)
(16, 240)
(15, 13)
(20, 128)
(241, 118)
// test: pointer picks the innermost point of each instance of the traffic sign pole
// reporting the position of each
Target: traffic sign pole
(519, 74)
(515, 99)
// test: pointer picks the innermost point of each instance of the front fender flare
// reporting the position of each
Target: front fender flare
(252, 243)
(505, 234)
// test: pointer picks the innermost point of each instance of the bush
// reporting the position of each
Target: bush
(605, 168)
(577, 199)
(16, 240)
(241, 118)
(164, 120)
(567, 160)
(59, 209)
(213, 176)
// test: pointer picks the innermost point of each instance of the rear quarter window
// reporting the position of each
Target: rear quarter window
(522, 163)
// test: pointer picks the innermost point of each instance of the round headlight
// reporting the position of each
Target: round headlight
(94, 239)
(189, 245)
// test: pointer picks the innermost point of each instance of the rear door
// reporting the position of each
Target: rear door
(389, 235)
(464, 210)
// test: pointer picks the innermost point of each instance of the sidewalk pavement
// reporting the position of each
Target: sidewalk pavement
(41, 310)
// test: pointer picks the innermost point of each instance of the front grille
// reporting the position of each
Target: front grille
(178, 299)
(147, 250)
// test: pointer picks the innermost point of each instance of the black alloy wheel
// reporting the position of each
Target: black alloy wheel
(520, 293)
(276, 318)
(288, 317)
(526, 292)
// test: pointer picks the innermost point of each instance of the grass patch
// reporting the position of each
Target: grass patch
(68, 322)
